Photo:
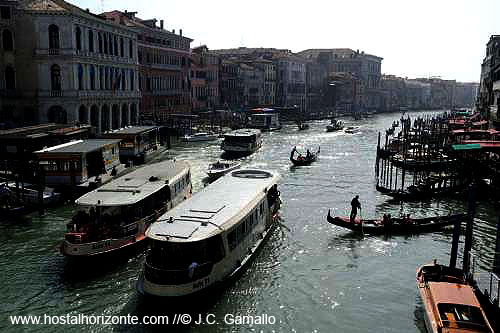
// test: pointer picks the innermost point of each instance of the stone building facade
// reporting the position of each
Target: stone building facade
(70, 66)
(364, 67)
(230, 85)
(164, 66)
(205, 79)
(488, 100)
(291, 81)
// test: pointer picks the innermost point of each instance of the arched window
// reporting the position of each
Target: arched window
(123, 81)
(91, 41)
(131, 79)
(115, 45)
(92, 77)
(55, 77)
(10, 78)
(80, 77)
(105, 38)
(99, 41)
(53, 36)
(110, 44)
(8, 41)
(101, 79)
(130, 49)
(122, 53)
(78, 36)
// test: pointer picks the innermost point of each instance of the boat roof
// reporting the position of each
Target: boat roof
(132, 130)
(264, 115)
(453, 293)
(135, 186)
(79, 146)
(243, 132)
(217, 207)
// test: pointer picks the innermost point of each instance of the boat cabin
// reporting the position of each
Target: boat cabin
(208, 238)
(79, 162)
(138, 143)
(265, 121)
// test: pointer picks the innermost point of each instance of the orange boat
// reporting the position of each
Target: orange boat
(449, 301)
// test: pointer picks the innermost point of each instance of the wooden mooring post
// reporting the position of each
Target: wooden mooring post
(469, 227)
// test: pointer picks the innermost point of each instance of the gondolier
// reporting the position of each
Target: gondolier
(354, 207)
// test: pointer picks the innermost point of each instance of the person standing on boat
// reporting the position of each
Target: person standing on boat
(354, 208)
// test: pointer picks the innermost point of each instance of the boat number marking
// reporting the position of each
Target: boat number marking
(201, 284)
(101, 245)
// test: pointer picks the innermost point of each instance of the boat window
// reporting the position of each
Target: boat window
(178, 256)
(462, 316)
(239, 233)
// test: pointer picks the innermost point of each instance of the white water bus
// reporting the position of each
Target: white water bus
(210, 237)
(117, 214)
(242, 141)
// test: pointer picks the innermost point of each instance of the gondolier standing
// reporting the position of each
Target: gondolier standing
(354, 207)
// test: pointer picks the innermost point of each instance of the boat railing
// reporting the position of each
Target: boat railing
(488, 283)
(464, 324)
(176, 276)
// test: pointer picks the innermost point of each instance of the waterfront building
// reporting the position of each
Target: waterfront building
(365, 67)
(394, 92)
(343, 91)
(316, 86)
(488, 99)
(164, 65)
(66, 65)
(418, 94)
(83, 163)
(17, 146)
(204, 79)
(230, 85)
(291, 81)
(252, 81)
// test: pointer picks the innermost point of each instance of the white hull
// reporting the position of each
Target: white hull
(210, 137)
(214, 174)
(221, 271)
(251, 148)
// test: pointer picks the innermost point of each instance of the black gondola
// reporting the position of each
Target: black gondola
(396, 225)
(303, 160)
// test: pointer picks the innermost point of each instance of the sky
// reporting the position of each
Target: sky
(416, 38)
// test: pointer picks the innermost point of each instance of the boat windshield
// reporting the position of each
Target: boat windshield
(179, 256)
(462, 316)
(230, 139)
(180, 263)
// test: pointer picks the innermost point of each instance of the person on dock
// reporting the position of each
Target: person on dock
(355, 204)
(308, 154)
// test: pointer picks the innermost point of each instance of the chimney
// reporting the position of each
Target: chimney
(180, 32)
(173, 31)
(161, 24)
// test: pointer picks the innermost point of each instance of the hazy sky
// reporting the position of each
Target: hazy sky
(416, 38)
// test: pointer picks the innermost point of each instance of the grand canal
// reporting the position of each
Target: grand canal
(311, 276)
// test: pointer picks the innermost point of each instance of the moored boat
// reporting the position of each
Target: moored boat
(303, 160)
(396, 225)
(335, 125)
(218, 169)
(201, 136)
(29, 193)
(449, 301)
(211, 237)
(117, 214)
(242, 141)
(351, 129)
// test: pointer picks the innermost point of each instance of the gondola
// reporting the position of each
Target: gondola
(396, 225)
(303, 160)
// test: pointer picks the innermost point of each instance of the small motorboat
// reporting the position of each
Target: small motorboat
(301, 159)
(201, 136)
(393, 225)
(449, 301)
(218, 169)
(352, 129)
(29, 193)
(303, 126)
(335, 125)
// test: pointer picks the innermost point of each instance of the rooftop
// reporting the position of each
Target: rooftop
(217, 207)
(135, 186)
(79, 146)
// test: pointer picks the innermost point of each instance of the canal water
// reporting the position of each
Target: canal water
(310, 276)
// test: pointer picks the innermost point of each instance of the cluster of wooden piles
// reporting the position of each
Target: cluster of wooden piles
(416, 162)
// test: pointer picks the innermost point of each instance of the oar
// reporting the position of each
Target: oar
(361, 220)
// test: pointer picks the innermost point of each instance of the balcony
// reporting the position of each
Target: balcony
(90, 94)
(86, 54)
(496, 85)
